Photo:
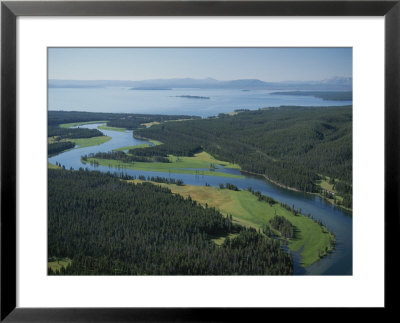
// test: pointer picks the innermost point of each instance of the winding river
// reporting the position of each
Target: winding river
(337, 221)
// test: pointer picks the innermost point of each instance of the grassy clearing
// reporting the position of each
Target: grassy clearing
(149, 124)
(220, 240)
(180, 165)
(325, 184)
(179, 120)
(73, 124)
(57, 264)
(105, 127)
(248, 211)
(132, 147)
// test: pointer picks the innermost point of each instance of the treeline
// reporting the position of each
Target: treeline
(183, 149)
(136, 121)
(57, 147)
(55, 118)
(289, 145)
(126, 158)
(59, 117)
(164, 180)
(72, 133)
(109, 227)
(123, 120)
(324, 95)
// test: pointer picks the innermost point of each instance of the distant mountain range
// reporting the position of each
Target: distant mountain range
(331, 84)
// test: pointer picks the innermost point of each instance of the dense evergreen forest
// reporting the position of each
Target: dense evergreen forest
(107, 226)
(126, 158)
(290, 145)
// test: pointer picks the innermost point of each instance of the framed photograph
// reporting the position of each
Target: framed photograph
(172, 160)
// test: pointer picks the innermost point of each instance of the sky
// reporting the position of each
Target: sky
(266, 64)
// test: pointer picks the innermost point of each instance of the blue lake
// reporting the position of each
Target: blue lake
(124, 100)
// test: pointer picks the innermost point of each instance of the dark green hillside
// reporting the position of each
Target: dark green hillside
(290, 145)
(100, 225)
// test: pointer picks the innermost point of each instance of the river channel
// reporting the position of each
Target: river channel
(338, 221)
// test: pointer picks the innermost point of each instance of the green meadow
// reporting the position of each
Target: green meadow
(94, 141)
(180, 165)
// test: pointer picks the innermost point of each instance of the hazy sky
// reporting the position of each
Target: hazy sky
(267, 64)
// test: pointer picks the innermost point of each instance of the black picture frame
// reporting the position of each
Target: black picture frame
(10, 10)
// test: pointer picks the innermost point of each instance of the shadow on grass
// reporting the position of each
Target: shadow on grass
(296, 233)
